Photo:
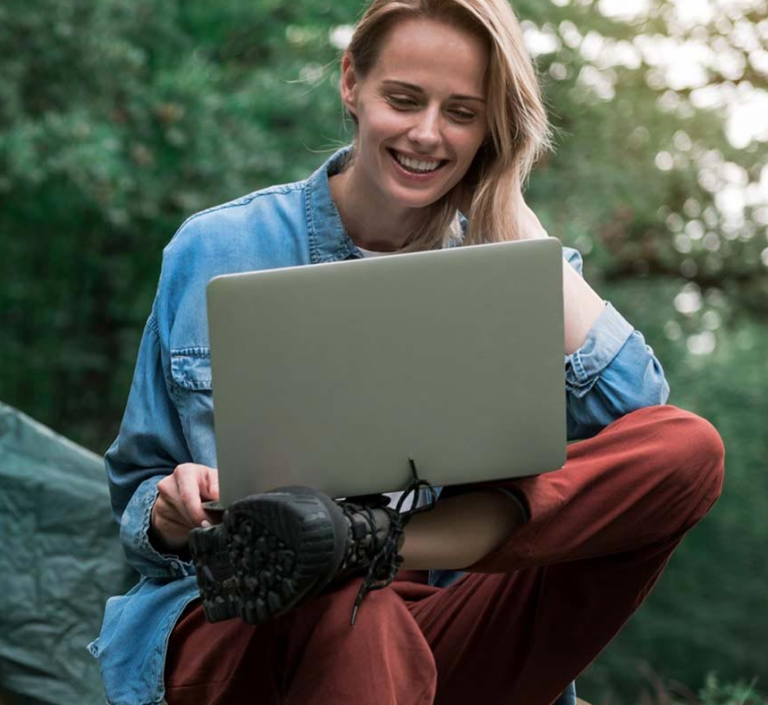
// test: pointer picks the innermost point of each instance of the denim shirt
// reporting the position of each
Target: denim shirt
(169, 415)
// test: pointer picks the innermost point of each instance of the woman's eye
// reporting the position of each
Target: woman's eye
(402, 101)
(464, 115)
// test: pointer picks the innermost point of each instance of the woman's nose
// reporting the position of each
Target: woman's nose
(426, 130)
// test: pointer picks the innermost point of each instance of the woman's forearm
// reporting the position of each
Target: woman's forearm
(460, 530)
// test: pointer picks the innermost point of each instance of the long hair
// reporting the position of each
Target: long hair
(518, 127)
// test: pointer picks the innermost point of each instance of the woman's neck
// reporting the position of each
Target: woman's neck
(371, 226)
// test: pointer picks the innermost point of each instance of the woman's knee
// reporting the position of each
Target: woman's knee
(694, 444)
(692, 451)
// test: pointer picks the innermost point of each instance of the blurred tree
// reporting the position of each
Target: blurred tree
(117, 120)
(660, 179)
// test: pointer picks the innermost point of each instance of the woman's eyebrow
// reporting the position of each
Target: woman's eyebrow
(417, 89)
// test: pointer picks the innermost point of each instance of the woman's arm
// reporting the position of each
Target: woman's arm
(609, 369)
(582, 305)
(148, 449)
(609, 372)
(581, 308)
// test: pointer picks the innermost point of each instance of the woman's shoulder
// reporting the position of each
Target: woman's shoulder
(244, 218)
(262, 230)
(266, 218)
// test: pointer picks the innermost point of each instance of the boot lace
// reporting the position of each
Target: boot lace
(387, 561)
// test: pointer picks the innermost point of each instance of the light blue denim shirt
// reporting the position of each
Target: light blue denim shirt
(169, 416)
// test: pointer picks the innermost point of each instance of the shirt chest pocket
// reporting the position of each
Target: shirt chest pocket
(192, 394)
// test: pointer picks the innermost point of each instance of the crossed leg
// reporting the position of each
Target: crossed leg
(527, 619)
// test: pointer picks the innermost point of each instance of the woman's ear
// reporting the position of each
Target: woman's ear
(349, 86)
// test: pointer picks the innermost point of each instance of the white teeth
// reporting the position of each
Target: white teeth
(415, 165)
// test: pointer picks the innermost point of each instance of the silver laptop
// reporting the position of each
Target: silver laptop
(335, 375)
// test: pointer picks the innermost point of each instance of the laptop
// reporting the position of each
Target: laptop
(337, 375)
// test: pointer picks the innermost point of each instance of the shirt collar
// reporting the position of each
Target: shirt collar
(328, 240)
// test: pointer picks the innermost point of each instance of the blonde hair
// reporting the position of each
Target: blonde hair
(517, 120)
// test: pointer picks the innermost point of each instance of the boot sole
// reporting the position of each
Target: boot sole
(282, 547)
(218, 584)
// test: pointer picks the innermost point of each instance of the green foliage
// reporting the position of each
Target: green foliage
(120, 118)
(708, 611)
(715, 693)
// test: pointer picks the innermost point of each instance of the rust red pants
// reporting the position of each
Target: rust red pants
(525, 622)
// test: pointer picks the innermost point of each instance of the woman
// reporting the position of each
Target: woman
(448, 121)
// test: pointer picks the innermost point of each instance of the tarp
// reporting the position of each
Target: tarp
(60, 558)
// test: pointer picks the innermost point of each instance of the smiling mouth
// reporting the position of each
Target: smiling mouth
(417, 166)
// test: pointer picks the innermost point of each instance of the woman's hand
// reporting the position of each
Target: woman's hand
(179, 505)
(528, 224)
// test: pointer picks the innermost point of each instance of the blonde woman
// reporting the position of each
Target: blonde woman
(448, 124)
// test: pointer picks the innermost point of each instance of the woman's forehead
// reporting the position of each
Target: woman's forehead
(434, 56)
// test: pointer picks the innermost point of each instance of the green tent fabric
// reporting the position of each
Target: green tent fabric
(60, 558)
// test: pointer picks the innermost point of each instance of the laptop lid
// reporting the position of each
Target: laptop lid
(334, 375)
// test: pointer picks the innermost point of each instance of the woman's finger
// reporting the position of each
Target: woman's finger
(211, 493)
(169, 523)
(191, 481)
(211, 484)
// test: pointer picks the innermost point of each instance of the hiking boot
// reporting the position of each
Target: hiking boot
(277, 550)
(215, 574)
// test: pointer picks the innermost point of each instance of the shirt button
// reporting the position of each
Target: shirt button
(175, 565)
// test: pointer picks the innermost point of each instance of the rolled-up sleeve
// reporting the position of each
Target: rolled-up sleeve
(613, 373)
(149, 446)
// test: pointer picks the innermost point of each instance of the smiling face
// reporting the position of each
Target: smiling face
(420, 111)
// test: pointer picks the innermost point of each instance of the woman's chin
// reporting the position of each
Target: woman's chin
(409, 197)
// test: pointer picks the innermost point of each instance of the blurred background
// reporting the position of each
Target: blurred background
(119, 118)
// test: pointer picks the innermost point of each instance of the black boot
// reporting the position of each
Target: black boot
(279, 549)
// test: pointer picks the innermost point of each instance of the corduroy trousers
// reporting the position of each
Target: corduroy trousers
(524, 621)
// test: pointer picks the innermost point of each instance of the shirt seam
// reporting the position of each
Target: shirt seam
(237, 203)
